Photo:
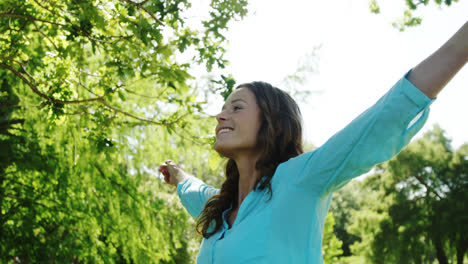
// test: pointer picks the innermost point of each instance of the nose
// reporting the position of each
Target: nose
(221, 116)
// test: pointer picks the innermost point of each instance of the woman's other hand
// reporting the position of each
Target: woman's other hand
(173, 173)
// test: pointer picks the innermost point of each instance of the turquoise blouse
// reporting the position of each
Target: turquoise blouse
(289, 227)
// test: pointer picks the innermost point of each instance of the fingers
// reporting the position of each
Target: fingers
(170, 162)
(162, 167)
(172, 172)
(165, 172)
(172, 166)
(166, 178)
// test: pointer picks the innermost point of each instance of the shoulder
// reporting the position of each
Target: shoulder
(299, 161)
(295, 165)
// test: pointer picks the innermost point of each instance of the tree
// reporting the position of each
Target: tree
(90, 56)
(408, 19)
(417, 212)
(331, 245)
(94, 96)
(344, 203)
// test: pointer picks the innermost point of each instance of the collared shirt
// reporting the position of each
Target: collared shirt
(288, 228)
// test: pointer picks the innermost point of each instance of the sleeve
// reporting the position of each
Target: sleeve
(376, 135)
(193, 194)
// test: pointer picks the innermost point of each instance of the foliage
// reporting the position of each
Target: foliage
(344, 203)
(93, 56)
(409, 19)
(94, 96)
(412, 210)
(331, 246)
(67, 199)
(225, 86)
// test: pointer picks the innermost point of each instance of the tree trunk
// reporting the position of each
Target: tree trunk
(441, 257)
(461, 249)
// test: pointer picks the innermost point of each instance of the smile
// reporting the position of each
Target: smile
(224, 130)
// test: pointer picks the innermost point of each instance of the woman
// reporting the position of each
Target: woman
(272, 206)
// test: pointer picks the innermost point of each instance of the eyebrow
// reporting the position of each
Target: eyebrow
(233, 101)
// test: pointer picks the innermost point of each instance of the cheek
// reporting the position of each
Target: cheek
(258, 123)
(255, 130)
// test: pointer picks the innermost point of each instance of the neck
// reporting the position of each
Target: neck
(247, 177)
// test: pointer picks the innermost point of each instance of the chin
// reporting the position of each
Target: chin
(222, 150)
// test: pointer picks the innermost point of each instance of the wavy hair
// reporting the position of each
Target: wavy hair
(279, 138)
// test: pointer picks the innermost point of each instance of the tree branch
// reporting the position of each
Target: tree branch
(16, 30)
(6, 106)
(131, 115)
(10, 59)
(142, 95)
(50, 11)
(86, 34)
(7, 123)
(122, 187)
(43, 34)
(194, 139)
(140, 5)
(118, 38)
(30, 18)
(89, 74)
(99, 99)
(35, 90)
(86, 88)
(429, 188)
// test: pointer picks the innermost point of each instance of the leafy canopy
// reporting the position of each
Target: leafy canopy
(94, 96)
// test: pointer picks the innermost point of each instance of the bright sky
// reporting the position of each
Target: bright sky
(361, 57)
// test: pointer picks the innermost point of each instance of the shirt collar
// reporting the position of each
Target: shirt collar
(225, 225)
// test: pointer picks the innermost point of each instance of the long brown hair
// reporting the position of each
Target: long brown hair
(279, 138)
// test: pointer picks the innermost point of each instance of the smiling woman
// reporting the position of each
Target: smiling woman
(272, 206)
(238, 125)
(254, 138)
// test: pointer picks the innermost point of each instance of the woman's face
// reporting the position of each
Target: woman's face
(238, 125)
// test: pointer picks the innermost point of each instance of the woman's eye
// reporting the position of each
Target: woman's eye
(235, 108)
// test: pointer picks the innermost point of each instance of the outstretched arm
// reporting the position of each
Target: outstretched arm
(193, 192)
(431, 75)
(381, 131)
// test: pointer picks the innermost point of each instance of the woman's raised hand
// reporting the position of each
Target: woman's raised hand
(173, 173)
(432, 74)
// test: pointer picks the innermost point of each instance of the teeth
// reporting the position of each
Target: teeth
(224, 130)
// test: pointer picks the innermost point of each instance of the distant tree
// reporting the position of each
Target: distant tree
(331, 245)
(344, 202)
(414, 211)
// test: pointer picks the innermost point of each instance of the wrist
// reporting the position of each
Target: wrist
(459, 43)
(181, 178)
